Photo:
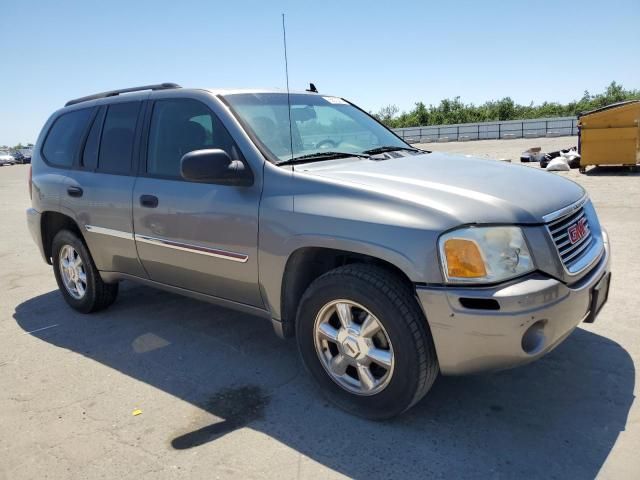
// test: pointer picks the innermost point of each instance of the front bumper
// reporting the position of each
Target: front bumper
(535, 314)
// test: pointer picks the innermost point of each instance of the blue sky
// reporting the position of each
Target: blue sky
(372, 53)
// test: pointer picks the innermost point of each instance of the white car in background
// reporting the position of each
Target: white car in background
(6, 158)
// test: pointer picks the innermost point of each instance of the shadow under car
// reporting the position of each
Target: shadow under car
(558, 417)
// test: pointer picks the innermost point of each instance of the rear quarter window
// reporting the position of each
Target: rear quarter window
(63, 140)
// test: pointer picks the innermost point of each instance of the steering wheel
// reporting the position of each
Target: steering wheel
(326, 144)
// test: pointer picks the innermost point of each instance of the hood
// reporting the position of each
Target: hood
(471, 190)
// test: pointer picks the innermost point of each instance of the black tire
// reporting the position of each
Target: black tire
(394, 303)
(98, 295)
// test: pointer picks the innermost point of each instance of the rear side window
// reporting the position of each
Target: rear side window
(116, 146)
(180, 126)
(63, 141)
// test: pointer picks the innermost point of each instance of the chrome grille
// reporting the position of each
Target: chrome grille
(559, 229)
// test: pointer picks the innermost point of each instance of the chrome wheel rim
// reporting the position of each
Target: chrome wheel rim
(74, 276)
(353, 347)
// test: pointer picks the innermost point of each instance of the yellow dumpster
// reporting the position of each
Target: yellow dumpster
(610, 135)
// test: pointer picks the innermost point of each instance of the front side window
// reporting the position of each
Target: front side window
(318, 124)
(118, 132)
(63, 140)
(180, 126)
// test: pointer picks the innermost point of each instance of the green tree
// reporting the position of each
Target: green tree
(450, 111)
(387, 113)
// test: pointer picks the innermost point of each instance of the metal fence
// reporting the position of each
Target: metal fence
(539, 127)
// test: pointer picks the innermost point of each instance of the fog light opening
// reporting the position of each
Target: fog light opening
(533, 338)
(480, 303)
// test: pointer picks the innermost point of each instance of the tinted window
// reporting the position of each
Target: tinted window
(179, 126)
(90, 154)
(63, 140)
(116, 146)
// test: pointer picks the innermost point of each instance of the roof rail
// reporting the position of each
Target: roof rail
(113, 93)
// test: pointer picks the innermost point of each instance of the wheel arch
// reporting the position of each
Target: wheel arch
(52, 222)
(306, 264)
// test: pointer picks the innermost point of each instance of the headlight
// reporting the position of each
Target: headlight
(484, 254)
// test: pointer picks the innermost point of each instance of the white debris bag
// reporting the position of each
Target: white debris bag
(570, 154)
(558, 165)
(572, 157)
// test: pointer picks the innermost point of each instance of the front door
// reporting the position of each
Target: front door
(201, 237)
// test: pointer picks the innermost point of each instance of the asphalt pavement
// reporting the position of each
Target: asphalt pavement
(161, 386)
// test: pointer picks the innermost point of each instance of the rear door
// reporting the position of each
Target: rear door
(59, 152)
(197, 236)
(99, 190)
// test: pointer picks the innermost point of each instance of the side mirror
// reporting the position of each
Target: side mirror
(214, 166)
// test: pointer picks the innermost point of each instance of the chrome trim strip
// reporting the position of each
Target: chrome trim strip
(550, 217)
(573, 246)
(566, 218)
(576, 252)
(573, 218)
(109, 231)
(187, 247)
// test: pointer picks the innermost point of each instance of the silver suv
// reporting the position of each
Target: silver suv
(389, 264)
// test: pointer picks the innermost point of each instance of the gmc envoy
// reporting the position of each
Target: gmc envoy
(387, 263)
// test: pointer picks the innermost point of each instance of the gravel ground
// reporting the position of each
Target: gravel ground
(221, 397)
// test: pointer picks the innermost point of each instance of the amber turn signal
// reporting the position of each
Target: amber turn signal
(464, 259)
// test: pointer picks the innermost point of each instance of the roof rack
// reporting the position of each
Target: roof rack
(113, 93)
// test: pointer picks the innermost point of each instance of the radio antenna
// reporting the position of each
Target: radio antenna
(286, 71)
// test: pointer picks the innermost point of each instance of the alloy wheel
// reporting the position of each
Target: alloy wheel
(74, 275)
(353, 347)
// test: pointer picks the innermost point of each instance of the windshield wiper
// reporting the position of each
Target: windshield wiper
(319, 156)
(390, 148)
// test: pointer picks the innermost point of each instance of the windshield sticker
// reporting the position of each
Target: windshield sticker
(335, 100)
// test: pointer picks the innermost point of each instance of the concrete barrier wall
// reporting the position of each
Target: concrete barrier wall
(539, 127)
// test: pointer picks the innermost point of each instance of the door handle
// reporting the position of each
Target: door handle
(74, 191)
(149, 201)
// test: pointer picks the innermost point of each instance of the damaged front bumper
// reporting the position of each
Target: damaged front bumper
(509, 325)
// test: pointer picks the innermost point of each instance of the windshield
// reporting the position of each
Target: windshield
(319, 125)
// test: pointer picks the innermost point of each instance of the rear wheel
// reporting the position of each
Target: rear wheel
(78, 278)
(364, 339)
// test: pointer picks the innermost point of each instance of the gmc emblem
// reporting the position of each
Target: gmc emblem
(578, 230)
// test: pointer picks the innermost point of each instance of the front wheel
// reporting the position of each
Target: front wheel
(364, 339)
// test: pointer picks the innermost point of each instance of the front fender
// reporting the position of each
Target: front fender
(275, 255)
(305, 211)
